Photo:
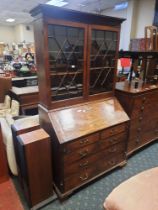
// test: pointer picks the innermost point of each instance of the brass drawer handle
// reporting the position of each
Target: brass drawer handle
(142, 108)
(113, 150)
(144, 98)
(84, 141)
(113, 140)
(140, 118)
(66, 151)
(113, 131)
(84, 164)
(139, 129)
(112, 162)
(84, 178)
(83, 153)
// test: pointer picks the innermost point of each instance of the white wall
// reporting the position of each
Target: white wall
(140, 13)
(7, 34)
(145, 16)
(120, 14)
(24, 34)
(18, 33)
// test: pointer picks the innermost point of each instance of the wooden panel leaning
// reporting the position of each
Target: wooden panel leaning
(34, 152)
(20, 126)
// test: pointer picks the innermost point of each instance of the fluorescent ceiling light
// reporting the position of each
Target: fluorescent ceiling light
(58, 3)
(121, 5)
(10, 20)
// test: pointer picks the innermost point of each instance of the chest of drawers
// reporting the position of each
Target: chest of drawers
(141, 105)
(86, 144)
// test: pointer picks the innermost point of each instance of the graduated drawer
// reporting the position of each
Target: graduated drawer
(98, 167)
(112, 131)
(115, 139)
(139, 101)
(138, 111)
(152, 98)
(81, 177)
(80, 153)
(91, 160)
(133, 144)
(79, 143)
(108, 163)
(78, 166)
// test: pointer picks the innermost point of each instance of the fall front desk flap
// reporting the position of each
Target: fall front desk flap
(80, 120)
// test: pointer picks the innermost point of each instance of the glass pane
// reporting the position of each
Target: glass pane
(102, 61)
(66, 56)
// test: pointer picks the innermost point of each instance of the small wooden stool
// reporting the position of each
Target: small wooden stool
(137, 193)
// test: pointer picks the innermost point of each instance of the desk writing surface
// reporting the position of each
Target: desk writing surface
(76, 121)
(24, 90)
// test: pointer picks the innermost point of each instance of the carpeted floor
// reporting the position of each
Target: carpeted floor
(92, 196)
(9, 199)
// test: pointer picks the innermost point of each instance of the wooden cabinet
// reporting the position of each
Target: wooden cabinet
(88, 140)
(3, 161)
(34, 164)
(76, 58)
(76, 55)
(27, 97)
(141, 105)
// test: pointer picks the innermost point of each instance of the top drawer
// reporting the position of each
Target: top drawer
(71, 146)
(113, 131)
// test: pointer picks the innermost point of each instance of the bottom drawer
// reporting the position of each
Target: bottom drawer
(144, 138)
(91, 160)
(107, 164)
(88, 173)
(79, 178)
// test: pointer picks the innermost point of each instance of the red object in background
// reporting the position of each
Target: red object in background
(125, 62)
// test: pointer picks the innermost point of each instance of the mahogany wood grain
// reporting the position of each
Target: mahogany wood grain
(87, 173)
(76, 16)
(4, 174)
(42, 56)
(36, 165)
(141, 106)
(25, 126)
(42, 63)
(83, 128)
(27, 96)
(126, 87)
(72, 123)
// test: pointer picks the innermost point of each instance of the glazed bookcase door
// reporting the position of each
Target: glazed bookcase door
(102, 59)
(66, 53)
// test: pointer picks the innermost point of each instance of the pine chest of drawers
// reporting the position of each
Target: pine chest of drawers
(87, 140)
(141, 105)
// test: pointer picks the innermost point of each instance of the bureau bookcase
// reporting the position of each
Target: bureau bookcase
(76, 57)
